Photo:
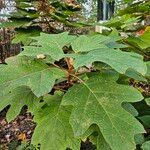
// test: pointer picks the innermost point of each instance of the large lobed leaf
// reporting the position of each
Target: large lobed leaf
(88, 49)
(49, 44)
(98, 101)
(24, 71)
(118, 60)
(18, 98)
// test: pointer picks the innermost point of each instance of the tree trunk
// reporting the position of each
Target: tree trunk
(99, 10)
(111, 8)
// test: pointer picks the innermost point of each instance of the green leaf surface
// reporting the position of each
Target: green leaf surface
(53, 130)
(88, 43)
(145, 120)
(148, 69)
(128, 107)
(49, 44)
(13, 24)
(145, 39)
(118, 60)
(60, 39)
(139, 139)
(18, 98)
(147, 100)
(98, 101)
(141, 41)
(100, 142)
(52, 44)
(135, 75)
(24, 36)
(96, 137)
(146, 145)
(24, 71)
(130, 73)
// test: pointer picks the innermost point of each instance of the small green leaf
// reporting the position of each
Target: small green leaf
(135, 75)
(144, 39)
(13, 24)
(146, 145)
(139, 139)
(147, 101)
(145, 120)
(24, 35)
(128, 107)
(148, 69)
